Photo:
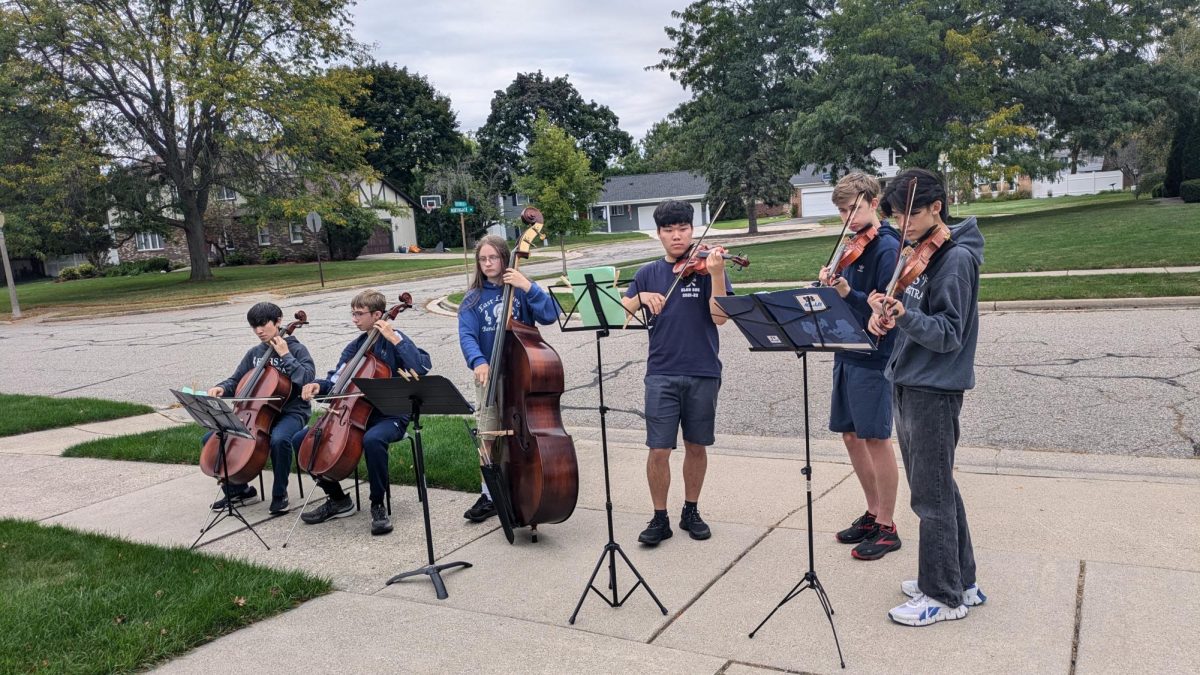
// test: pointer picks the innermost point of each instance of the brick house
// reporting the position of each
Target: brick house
(228, 234)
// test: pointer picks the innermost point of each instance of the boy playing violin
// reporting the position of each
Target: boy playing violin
(932, 364)
(683, 371)
(861, 406)
(399, 353)
(291, 358)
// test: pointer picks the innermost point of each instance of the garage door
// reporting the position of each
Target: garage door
(816, 201)
(646, 216)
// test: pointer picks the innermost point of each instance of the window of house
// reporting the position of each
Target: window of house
(296, 230)
(619, 210)
(225, 194)
(226, 240)
(264, 236)
(149, 241)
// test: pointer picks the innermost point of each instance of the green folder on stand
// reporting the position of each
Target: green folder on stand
(606, 291)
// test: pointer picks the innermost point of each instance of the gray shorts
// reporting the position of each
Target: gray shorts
(674, 401)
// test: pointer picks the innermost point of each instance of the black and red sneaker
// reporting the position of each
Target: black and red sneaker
(858, 530)
(880, 542)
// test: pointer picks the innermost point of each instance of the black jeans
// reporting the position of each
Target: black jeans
(927, 427)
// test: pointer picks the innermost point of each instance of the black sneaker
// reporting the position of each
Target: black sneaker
(877, 544)
(330, 509)
(858, 530)
(380, 523)
(238, 499)
(481, 511)
(693, 524)
(279, 506)
(658, 529)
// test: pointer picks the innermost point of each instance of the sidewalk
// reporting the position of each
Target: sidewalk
(1072, 550)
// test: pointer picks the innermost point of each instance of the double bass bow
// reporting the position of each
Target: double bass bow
(258, 400)
(333, 447)
(525, 379)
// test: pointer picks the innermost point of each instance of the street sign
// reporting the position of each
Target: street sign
(466, 208)
(459, 205)
(313, 222)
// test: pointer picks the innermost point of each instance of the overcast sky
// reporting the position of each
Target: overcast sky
(469, 49)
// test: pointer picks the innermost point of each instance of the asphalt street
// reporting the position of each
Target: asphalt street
(1112, 382)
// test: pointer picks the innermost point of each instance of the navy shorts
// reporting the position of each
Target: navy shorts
(674, 401)
(862, 401)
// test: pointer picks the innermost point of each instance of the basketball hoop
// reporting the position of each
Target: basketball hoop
(431, 203)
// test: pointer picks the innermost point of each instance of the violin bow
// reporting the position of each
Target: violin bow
(695, 250)
(837, 242)
(912, 195)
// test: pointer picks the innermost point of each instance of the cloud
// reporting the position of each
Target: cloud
(468, 50)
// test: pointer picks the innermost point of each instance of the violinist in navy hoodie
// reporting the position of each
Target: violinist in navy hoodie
(478, 320)
(861, 407)
(936, 323)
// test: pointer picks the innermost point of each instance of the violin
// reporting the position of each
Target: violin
(535, 453)
(332, 449)
(261, 395)
(851, 249)
(914, 260)
(696, 261)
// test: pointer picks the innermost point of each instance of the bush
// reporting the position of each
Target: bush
(237, 258)
(1148, 183)
(1189, 190)
(155, 265)
(270, 256)
(86, 270)
(68, 274)
(133, 268)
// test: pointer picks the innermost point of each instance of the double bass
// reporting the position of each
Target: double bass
(534, 451)
(333, 447)
(258, 400)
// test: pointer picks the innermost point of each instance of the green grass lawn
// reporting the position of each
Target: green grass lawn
(76, 602)
(1098, 286)
(743, 223)
(1017, 206)
(23, 414)
(1117, 235)
(158, 290)
(450, 458)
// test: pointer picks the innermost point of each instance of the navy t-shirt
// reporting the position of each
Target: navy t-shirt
(683, 338)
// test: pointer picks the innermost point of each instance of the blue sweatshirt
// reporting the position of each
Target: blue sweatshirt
(405, 355)
(935, 347)
(297, 366)
(480, 309)
(871, 272)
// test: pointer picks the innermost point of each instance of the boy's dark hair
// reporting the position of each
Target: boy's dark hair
(930, 189)
(673, 212)
(264, 313)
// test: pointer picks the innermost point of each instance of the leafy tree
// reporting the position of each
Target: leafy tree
(417, 129)
(199, 95)
(978, 151)
(510, 126)
(559, 181)
(663, 148)
(741, 60)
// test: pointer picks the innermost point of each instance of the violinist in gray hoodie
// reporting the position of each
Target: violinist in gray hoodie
(932, 364)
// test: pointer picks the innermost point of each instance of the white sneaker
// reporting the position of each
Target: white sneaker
(972, 596)
(924, 610)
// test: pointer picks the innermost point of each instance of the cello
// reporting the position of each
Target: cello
(258, 399)
(534, 451)
(333, 447)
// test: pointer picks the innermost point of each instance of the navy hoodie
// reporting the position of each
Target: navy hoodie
(297, 365)
(871, 272)
(935, 347)
(480, 309)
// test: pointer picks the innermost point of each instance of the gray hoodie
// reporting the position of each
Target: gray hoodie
(935, 347)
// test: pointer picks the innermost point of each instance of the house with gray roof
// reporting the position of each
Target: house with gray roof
(628, 202)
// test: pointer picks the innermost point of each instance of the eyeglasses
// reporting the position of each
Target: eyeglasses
(490, 258)
(358, 314)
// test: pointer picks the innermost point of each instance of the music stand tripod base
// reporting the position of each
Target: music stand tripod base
(594, 293)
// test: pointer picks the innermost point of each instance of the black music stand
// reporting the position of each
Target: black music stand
(604, 302)
(435, 395)
(215, 415)
(800, 321)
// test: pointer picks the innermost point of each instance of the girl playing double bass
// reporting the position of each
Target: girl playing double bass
(399, 353)
(478, 319)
